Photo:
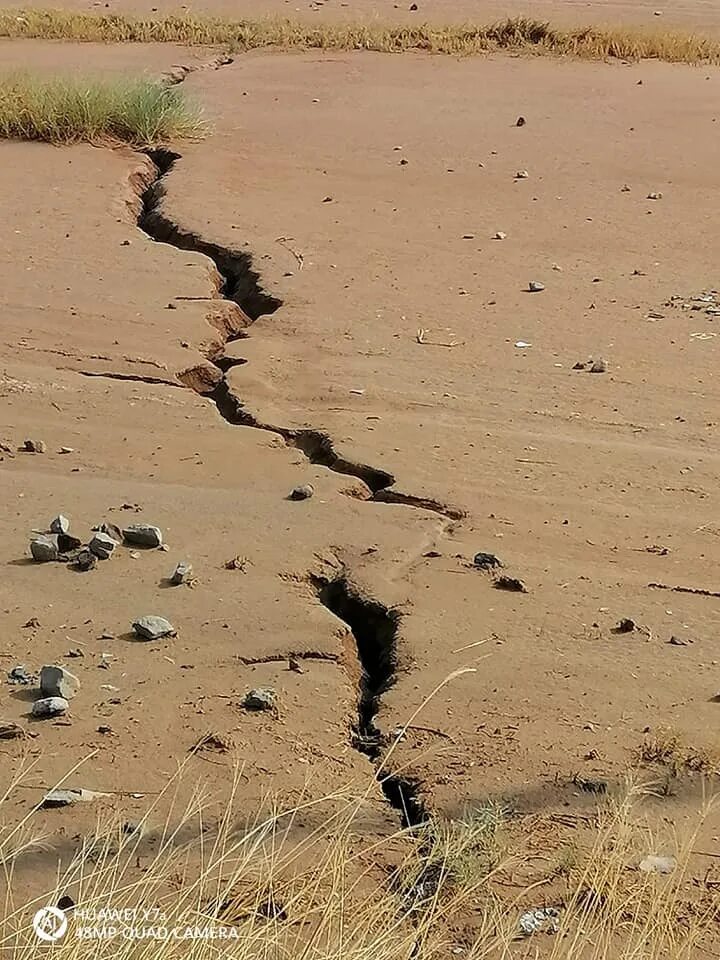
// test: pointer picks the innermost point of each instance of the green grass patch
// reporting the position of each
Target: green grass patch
(139, 112)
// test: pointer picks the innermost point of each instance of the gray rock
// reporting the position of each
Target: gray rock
(35, 446)
(143, 534)
(182, 573)
(153, 628)
(102, 545)
(598, 366)
(111, 529)
(303, 492)
(60, 524)
(44, 547)
(535, 286)
(20, 674)
(58, 682)
(542, 920)
(85, 560)
(50, 707)
(263, 698)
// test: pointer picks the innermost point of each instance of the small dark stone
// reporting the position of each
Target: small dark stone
(509, 583)
(579, 365)
(85, 560)
(486, 561)
(520, 122)
(67, 542)
(513, 584)
(626, 625)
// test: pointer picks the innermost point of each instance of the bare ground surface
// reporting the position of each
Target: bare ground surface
(687, 14)
(588, 487)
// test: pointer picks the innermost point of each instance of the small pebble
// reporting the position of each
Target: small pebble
(499, 235)
(181, 574)
(303, 492)
(522, 175)
(153, 628)
(263, 698)
(654, 196)
(535, 286)
(67, 450)
(520, 122)
(598, 366)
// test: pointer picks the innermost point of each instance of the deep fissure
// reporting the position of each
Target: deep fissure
(241, 285)
(374, 628)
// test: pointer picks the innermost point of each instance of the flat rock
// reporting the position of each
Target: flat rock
(58, 682)
(60, 524)
(102, 545)
(181, 574)
(153, 628)
(44, 548)
(262, 698)
(143, 534)
(50, 707)
(535, 286)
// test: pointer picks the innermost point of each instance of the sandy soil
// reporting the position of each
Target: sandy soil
(687, 14)
(588, 487)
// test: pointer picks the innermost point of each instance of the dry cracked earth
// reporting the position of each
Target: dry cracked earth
(315, 295)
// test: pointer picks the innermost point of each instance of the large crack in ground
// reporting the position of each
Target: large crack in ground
(374, 626)
(240, 284)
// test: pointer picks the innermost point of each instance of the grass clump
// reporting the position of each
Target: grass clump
(515, 34)
(139, 112)
(667, 749)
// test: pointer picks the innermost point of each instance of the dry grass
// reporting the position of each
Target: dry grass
(332, 892)
(66, 110)
(669, 750)
(519, 34)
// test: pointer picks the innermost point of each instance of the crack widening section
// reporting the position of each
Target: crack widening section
(241, 285)
(374, 628)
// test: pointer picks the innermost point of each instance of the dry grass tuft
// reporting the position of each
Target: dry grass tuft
(142, 112)
(519, 34)
(668, 749)
(286, 889)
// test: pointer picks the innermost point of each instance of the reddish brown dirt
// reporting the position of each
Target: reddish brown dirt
(573, 479)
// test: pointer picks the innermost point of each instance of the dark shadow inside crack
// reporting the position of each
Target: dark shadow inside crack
(241, 283)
